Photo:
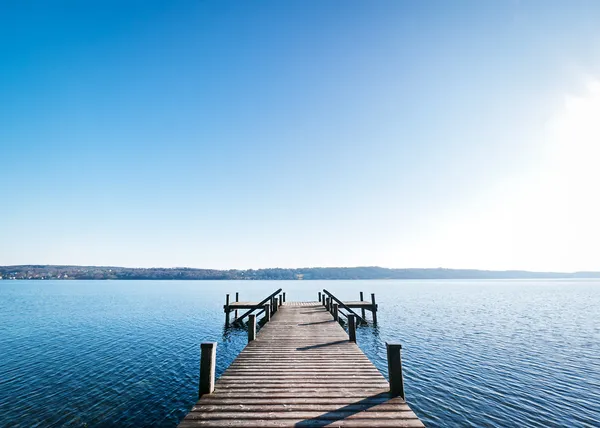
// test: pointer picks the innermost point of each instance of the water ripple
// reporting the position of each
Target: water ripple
(489, 354)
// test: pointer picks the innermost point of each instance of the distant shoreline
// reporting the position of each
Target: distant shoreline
(60, 272)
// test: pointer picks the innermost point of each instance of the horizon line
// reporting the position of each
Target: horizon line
(299, 268)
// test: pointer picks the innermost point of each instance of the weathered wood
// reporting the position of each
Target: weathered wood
(227, 309)
(286, 422)
(300, 415)
(208, 353)
(377, 400)
(335, 312)
(258, 306)
(267, 312)
(343, 305)
(219, 406)
(351, 328)
(395, 369)
(251, 327)
(243, 305)
(301, 370)
(362, 310)
(374, 309)
(357, 304)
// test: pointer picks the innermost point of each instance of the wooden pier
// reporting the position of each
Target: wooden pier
(302, 369)
(276, 299)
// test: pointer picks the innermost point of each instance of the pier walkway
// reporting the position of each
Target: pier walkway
(301, 370)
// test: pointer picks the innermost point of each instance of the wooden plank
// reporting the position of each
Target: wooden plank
(329, 407)
(242, 305)
(334, 415)
(301, 370)
(358, 304)
(335, 401)
(282, 422)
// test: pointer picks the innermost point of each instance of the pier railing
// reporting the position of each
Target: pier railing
(329, 300)
(268, 305)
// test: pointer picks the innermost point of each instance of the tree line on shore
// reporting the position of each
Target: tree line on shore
(339, 273)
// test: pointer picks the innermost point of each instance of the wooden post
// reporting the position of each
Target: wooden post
(237, 299)
(323, 300)
(275, 304)
(267, 312)
(374, 308)
(362, 310)
(284, 297)
(327, 300)
(227, 310)
(395, 369)
(251, 327)
(280, 300)
(320, 297)
(352, 328)
(335, 312)
(208, 353)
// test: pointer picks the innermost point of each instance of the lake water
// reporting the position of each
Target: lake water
(126, 353)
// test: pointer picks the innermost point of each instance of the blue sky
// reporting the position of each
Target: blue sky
(300, 133)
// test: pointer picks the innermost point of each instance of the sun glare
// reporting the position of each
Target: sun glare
(563, 202)
(548, 217)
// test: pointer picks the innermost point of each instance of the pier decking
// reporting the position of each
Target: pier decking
(301, 370)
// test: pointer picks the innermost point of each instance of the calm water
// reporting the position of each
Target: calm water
(125, 353)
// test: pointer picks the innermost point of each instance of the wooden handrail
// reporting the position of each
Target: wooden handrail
(259, 306)
(342, 305)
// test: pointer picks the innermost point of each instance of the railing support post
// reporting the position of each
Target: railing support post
(374, 308)
(284, 297)
(280, 300)
(208, 353)
(227, 310)
(362, 310)
(320, 297)
(395, 369)
(335, 312)
(237, 299)
(352, 328)
(251, 327)
(267, 312)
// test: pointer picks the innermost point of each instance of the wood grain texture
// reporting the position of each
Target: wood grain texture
(301, 370)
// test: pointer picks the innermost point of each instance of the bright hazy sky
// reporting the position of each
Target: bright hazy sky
(220, 134)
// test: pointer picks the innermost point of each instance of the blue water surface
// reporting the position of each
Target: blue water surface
(126, 353)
